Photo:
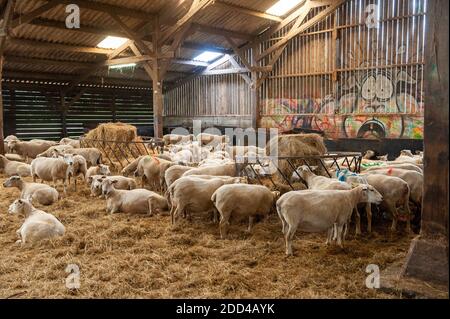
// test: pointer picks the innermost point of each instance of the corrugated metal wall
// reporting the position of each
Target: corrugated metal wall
(36, 113)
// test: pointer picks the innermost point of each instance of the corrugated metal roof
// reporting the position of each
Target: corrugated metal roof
(169, 10)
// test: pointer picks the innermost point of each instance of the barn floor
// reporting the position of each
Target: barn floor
(132, 256)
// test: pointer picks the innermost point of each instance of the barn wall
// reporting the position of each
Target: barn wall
(35, 112)
(215, 100)
(346, 76)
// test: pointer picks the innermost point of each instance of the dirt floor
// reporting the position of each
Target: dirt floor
(135, 256)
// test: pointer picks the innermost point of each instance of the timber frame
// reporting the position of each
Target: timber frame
(156, 49)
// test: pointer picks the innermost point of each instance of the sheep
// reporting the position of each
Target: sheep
(318, 182)
(33, 192)
(395, 192)
(131, 168)
(219, 170)
(70, 141)
(11, 168)
(191, 194)
(237, 151)
(38, 225)
(15, 157)
(138, 201)
(152, 169)
(320, 210)
(57, 149)
(175, 138)
(174, 172)
(414, 180)
(211, 139)
(183, 156)
(242, 200)
(29, 149)
(52, 169)
(79, 168)
(123, 183)
(407, 166)
(6, 140)
(92, 155)
(99, 169)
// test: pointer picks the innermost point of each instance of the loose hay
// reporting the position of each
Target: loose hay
(118, 142)
(135, 256)
(295, 145)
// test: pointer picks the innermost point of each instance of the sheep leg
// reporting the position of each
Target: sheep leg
(150, 207)
(357, 221)
(408, 216)
(288, 237)
(223, 225)
(369, 217)
(393, 211)
(172, 213)
(251, 219)
(329, 236)
(340, 229)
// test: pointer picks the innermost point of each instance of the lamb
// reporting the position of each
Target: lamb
(29, 149)
(241, 201)
(33, 192)
(174, 172)
(11, 168)
(54, 150)
(219, 170)
(92, 155)
(70, 141)
(192, 194)
(138, 201)
(320, 210)
(395, 192)
(79, 168)
(99, 169)
(123, 183)
(38, 225)
(52, 169)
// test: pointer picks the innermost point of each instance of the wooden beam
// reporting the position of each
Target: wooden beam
(223, 32)
(58, 46)
(236, 65)
(301, 27)
(27, 60)
(128, 60)
(250, 12)
(118, 33)
(190, 62)
(34, 14)
(226, 71)
(196, 7)
(4, 31)
(108, 8)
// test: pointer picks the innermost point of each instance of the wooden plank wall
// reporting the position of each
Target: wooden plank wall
(35, 112)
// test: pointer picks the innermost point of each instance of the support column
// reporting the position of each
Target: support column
(158, 101)
(428, 256)
(256, 110)
(3, 34)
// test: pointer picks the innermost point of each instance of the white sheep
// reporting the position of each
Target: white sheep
(34, 192)
(38, 225)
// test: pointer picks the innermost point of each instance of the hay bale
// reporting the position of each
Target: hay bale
(118, 132)
(109, 137)
(295, 145)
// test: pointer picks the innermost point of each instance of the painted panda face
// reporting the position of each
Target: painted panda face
(377, 88)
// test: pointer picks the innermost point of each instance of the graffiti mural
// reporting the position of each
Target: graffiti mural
(370, 87)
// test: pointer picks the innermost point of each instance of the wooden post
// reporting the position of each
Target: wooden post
(63, 107)
(256, 110)
(157, 84)
(114, 108)
(3, 34)
(428, 256)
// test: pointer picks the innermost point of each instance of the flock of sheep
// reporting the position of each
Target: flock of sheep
(171, 184)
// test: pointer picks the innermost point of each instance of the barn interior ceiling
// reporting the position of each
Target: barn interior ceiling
(163, 35)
